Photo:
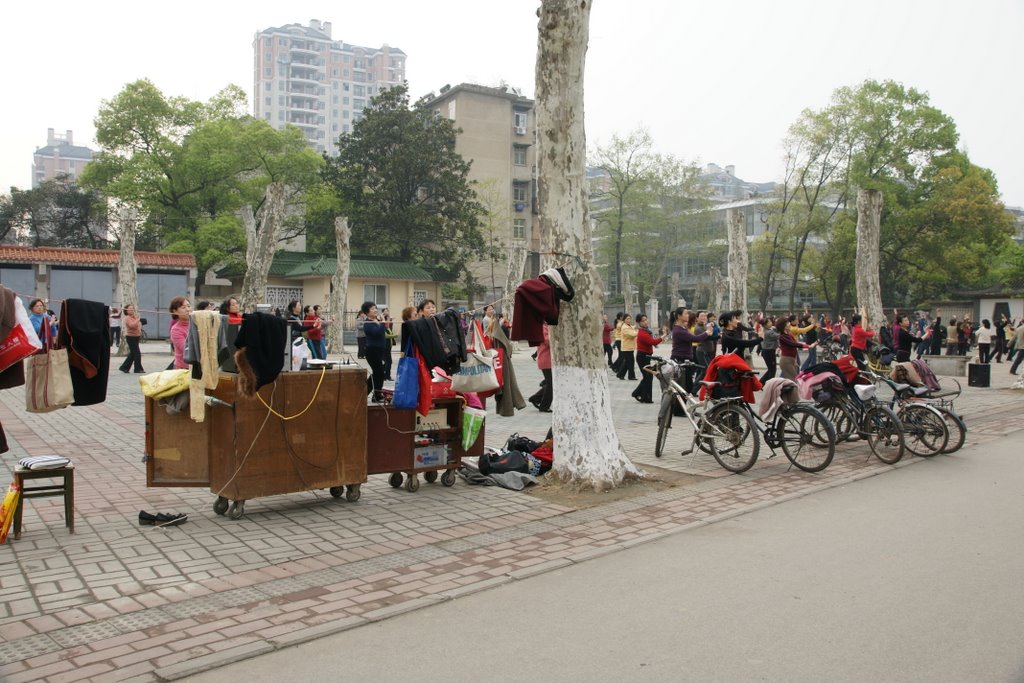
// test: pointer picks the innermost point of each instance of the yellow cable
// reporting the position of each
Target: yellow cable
(323, 371)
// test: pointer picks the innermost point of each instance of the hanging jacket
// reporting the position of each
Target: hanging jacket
(85, 333)
(537, 302)
(261, 344)
(508, 399)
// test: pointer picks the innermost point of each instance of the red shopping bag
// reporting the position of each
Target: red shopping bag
(15, 348)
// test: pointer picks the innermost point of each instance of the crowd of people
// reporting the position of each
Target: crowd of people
(788, 344)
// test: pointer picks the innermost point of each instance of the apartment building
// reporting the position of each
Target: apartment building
(60, 156)
(497, 137)
(304, 77)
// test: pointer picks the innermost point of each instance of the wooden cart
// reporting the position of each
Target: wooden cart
(312, 436)
(392, 448)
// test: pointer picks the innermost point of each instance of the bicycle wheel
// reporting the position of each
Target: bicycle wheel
(664, 424)
(807, 437)
(884, 433)
(957, 430)
(924, 430)
(730, 433)
(840, 417)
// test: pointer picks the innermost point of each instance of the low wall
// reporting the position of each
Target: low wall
(948, 366)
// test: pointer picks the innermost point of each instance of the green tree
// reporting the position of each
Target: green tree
(191, 166)
(404, 188)
(56, 214)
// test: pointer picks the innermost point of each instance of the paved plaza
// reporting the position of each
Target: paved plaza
(116, 601)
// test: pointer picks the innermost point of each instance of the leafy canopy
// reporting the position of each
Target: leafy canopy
(404, 188)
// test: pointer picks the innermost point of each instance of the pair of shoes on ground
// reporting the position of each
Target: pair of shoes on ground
(161, 519)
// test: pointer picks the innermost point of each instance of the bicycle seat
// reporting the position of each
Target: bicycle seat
(920, 391)
(896, 386)
(865, 391)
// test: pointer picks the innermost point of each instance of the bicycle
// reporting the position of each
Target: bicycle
(924, 427)
(804, 433)
(940, 403)
(859, 413)
(830, 352)
(721, 427)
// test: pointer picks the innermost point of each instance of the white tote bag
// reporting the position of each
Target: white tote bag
(477, 373)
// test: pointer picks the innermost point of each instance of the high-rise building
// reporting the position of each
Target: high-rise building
(304, 77)
(61, 156)
(498, 138)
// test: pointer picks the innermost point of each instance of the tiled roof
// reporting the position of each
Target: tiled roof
(66, 151)
(299, 264)
(91, 257)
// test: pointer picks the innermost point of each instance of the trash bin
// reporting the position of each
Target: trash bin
(979, 374)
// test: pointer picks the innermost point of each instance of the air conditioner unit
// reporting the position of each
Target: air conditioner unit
(521, 130)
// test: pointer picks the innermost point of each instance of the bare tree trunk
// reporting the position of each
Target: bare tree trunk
(261, 241)
(716, 291)
(516, 265)
(869, 220)
(627, 293)
(587, 448)
(339, 286)
(674, 299)
(737, 234)
(127, 268)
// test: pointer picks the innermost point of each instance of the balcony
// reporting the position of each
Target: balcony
(302, 78)
(304, 105)
(303, 50)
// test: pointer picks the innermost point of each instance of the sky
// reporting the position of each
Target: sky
(714, 82)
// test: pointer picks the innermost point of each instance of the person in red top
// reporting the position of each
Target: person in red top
(606, 337)
(314, 333)
(788, 346)
(645, 343)
(542, 399)
(230, 309)
(859, 342)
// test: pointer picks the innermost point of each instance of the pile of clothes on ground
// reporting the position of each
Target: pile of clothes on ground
(515, 466)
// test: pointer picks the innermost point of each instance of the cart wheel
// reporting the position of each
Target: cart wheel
(395, 480)
(237, 509)
(448, 478)
(412, 483)
(221, 506)
(431, 476)
(337, 491)
(353, 493)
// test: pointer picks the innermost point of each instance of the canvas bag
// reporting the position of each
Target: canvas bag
(48, 378)
(477, 373)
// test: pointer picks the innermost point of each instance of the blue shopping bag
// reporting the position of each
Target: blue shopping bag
(407, 381)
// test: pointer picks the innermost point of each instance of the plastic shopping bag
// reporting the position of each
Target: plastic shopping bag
(407, 381)
(472, 422)
(10, 504)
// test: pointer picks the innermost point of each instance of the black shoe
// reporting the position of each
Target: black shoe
(638, 399)
(163, 519)
(123, 370)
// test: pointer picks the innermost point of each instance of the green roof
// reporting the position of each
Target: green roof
(300, 264)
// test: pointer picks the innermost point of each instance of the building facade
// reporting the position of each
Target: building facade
(303, 77)
(60, 156)
(497, 138)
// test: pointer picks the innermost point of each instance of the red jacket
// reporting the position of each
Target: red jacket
(860, 338)
(748, 385)
(645, 341)
(606, 335)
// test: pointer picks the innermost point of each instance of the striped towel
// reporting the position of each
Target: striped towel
(44, 462)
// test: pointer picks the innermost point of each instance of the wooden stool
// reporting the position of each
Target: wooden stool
(67, 489)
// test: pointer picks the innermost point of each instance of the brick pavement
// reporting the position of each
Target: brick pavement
(116, 601)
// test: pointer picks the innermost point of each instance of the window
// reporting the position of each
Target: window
(267, 115)
(280, 100)
(519, 122)
(519, 229)
(267, 57)
(519, 155)
(334, 127)
(267, 101)
(268, 72)
(358, 104)
(519, 193)
(418, 296)
(359, 91)
(344, 114)
(344, 86)
(345, 59)
(378, 294)
(334, 113)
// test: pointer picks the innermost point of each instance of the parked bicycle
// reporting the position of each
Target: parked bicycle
(856, 412)
(721, 426)
(801, 431)
(924, 428)
(927, 404)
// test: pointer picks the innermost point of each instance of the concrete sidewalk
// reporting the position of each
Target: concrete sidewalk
(115, 601)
